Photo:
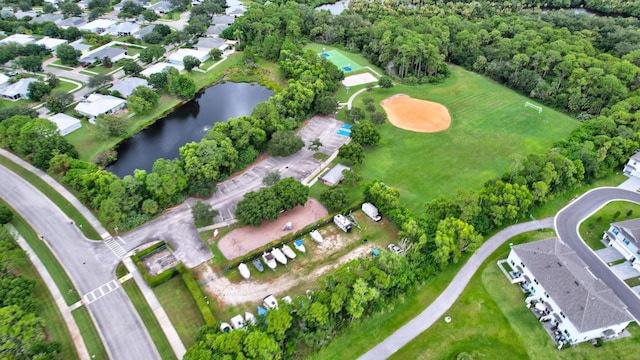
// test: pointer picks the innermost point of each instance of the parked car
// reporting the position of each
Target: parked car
(395, 248)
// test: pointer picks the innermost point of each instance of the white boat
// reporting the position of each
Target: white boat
(225, 327)
(277, 253)
(237, 322)
(315, 235)
(244, 271)
(269, 259)
(299, 245)
(288, 252)
(249, 318)
(270, 302)
(287, 299)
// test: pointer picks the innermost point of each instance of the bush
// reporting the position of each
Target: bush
(161, 278)
(6, 215)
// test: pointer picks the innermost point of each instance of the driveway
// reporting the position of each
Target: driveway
(89, 264)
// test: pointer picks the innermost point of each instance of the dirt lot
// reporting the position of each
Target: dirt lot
(416, 115)
(248, 238)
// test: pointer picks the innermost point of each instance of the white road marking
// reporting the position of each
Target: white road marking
(116, 248)
(99, 292)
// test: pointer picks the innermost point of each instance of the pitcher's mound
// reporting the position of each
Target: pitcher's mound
(416, 115)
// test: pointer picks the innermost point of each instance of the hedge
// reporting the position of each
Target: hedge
(196, 293)
(153, 281)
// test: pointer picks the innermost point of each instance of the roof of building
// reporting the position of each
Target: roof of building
(51, 43)
(636, 156)
(237, 11)
(3, 79)
(19, 87)
(23, 14)
(144, 31)
(210, 43)
(63, 121)
(71, 22)
(159, 67)
(126, 86)
(216, 29)
(55, 18)
(125, 27)
(222, 20)
(21, 39)
(164, 6)
(335, 175)
(78, 45)
(98, 24)
(103, 52)
(585, 300)
(181, 53)
(630, 229)
(97, 104)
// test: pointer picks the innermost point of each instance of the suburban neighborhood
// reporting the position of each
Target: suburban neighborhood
(203, 179)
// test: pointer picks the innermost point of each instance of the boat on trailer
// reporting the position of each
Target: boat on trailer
(277, 253)
(288, 251)
(315, 235)
(270, 260)
(299, 245)
(244, 271)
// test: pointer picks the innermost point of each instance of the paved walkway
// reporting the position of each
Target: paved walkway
(65, 310)
(353, 97)
(60, 189)
(163, 319)
(437, 309)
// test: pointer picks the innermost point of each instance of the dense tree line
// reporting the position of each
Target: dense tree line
(268, 202)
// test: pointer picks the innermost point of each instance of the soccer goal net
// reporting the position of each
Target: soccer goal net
(535, 107)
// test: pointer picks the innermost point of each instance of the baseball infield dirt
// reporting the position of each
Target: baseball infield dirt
(415, 114)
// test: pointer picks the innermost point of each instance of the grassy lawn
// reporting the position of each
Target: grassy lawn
(149, 320)
(490, 321)
(89, 334)
(67, 86)
(8, 104)
(60, 65)
(210, 77)
(181, 309)
(592, 229)
(49, 261)
(490, 128)
(46, 308)
(99, 69)
(54, 196)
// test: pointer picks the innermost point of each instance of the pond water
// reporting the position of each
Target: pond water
(187, 123)
(337, 8)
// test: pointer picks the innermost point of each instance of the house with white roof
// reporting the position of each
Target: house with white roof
(624, 236)
(126, 86)
(18, 90)
(124, 29)
(178, 56)
(573, 305)
(66, 124)
(97, 104)
(160, 67)
(21, 39)
(207, 43)
(4, 79)
(99, 26)
(632, 168)
(100, 53)
(161, 7)
(51, 43)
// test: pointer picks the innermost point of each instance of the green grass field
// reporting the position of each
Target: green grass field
(181, 309)
(89, 334)
(490, 128)
(343, 62)
(592, 229)
(490, 321)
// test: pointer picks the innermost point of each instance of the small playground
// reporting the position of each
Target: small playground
(416, 115)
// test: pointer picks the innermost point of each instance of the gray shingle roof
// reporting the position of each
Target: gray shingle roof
(47, 17)
(144, 31)
(72, 22)
(334, 176)
(630, 229)
(126, 86)
(108, 52)
(222, 20)
(210, 43)
(21, 87)
(586, 301)
(214, 29)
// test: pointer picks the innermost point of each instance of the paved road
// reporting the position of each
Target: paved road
(437, 309)
(90, 266)
(567, 222)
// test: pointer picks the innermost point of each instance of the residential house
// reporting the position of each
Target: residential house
(138, 34)
(632, 168)
(335, 175)
(96, 104)
(100, 53)
(99, 26)
(78, 45)
(18, 90)
(624, 236)
(215, 30)
(126, 86)
(574, 305)
(124, 29)
(23, 14)
(160, 67)
(178, 56)
(21, 39)
(66, 124)
(51, 43)
(222, 20)
(71, 22)
(83, 4)
(207, 43)
(4, 79)
(236, 11)
(161, 7)
(54, 18)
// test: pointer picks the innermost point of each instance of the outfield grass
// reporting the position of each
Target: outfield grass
(490, 321)
(490, 128)
(592, 229)
(181, 309)
(149, 320)
(89, 334)
(54, 196)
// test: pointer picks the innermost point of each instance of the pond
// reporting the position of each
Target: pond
(336, 8)
(187, 123)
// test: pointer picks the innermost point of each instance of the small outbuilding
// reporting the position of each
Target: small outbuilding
(335, 175)
(66, 124)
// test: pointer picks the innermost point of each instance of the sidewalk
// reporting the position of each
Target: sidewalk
(62, 190)
(65, 310)
(167, 327)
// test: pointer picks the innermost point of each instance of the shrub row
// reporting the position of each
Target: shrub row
(196, 292)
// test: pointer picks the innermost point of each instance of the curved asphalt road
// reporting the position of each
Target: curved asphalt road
(437, 309)
(567, 222)
(90, 266)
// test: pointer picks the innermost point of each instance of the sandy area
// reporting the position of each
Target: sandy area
(416, 115)
(359, 79)
(243, 240)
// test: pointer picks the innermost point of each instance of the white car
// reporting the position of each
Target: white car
(395, 248)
